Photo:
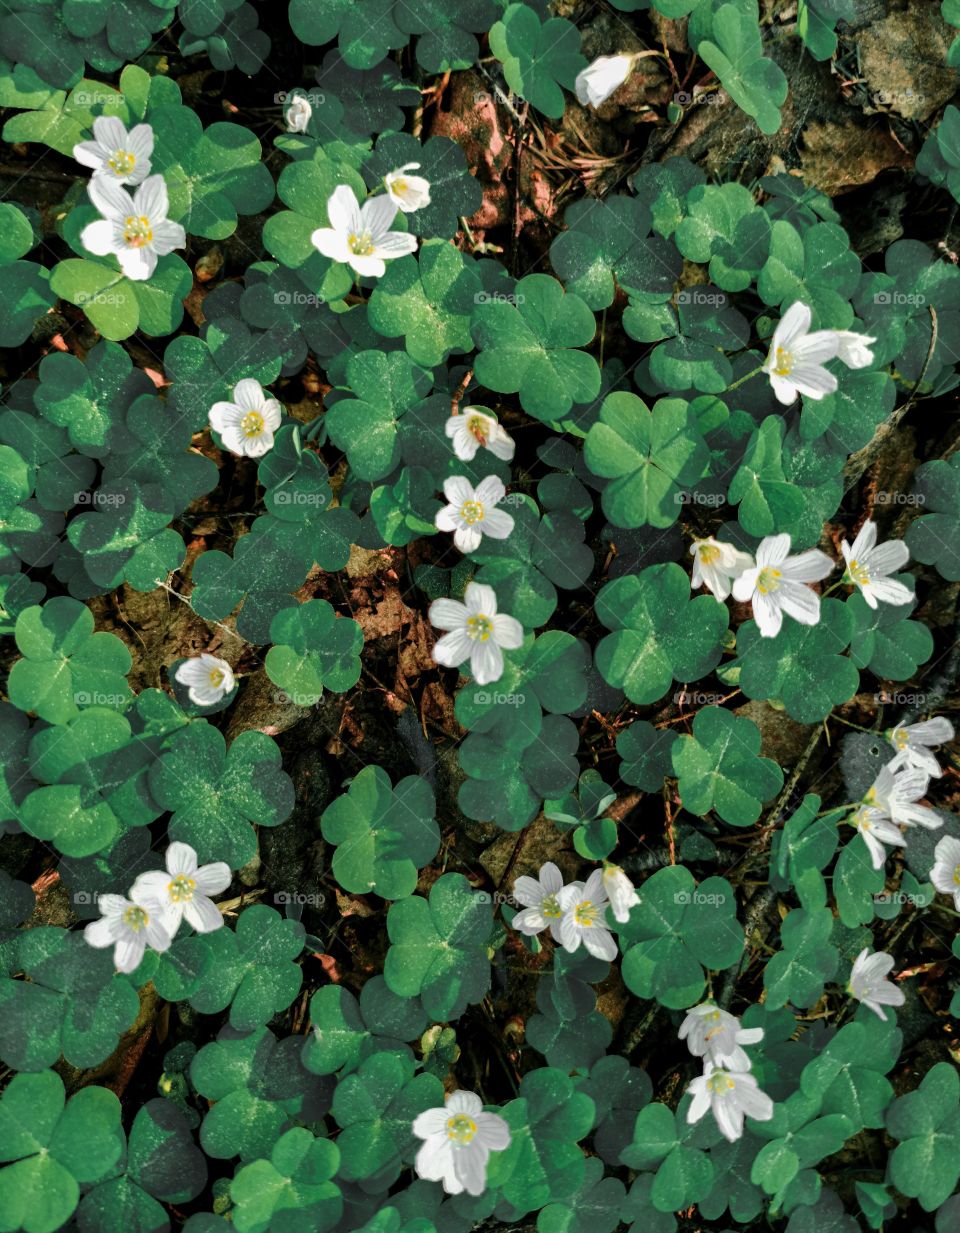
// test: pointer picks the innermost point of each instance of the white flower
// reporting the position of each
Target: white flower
(297, 113)
(945, 874)
(599, 80)
(584, 918)
(477, 632)
(541, 906)
(209, 679)
(867, 983)
(473, 428)
(730, 1096)
(876, 829)
(795, 361)
(129, 926)
(913, 741)
(470, 514)
(854, 349)
(716, 1035)
(716, 565)
(246, 425)
(896, 793)
(360, 236)
(620, 891)
(775, 585)
(457, 1141)
(115, 153)
(408, 193)
(135, 229)
(184, 890)
(869, 566)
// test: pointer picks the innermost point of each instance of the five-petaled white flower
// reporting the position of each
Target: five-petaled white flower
(246, 425)
(730, 1096)
(476, 632)
(471, 513)
(620, 892)
(716, 1036)
(795, 361)
(876, 829)
(896, 793)
(945, 874)
(869, 566)
(913, 743)
(457, 1141)
(407, 192)
(134, 229)
(184, 890)
(716, 565)
(474, 428)
(115, 153)
(297, 113)
(541, 905)
(360, 235)
(129, 926)
(208, 679)
(776, 584)
(584, 918)
(602, 77)
(868, 984)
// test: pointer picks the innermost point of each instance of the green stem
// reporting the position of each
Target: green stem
(743, 379)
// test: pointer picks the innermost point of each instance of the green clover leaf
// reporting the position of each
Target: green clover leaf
(540, 59)
(345, 1030)
(925, 1164)
(719, 768)
(313, 648)
(296, 1179)
(933, 537)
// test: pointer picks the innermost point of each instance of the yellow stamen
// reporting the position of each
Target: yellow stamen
(784, 363)
(361, 244)
(471, 512)
(252, 425)
(181, 888)
(769, 580)
(479, 628)
(461, 1128)
(137, 232)
(136, 918)
(122, 162)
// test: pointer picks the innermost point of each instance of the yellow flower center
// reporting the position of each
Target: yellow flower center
(122, 162)
(461, 1128)
(858, 573)
(784, 363)
(137, 232)
(471, 512)
(401, 187)
(901, 739)
(361, 244)
(136, 918)
(478, 426)
(709, 554)
(550, 908)
(769, 580)
(181, 888)
(479, 628)
(720, 1083)
(252, 424)
(585, 913)
(216, 677)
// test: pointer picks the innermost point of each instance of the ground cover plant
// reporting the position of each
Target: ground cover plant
(479, 566)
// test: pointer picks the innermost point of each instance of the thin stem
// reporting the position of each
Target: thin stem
(743, 379)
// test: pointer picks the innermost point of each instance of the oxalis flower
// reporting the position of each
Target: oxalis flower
(795, 361)
(246, 425)
(134, 229)
(471, 513)
(603, 77)
(584, 918)
(620, 892)
(183, 890)
(474, 428)
(716, 1036)
(913, 742)
(408, 193)
(716, 565)
(208, 679)
(945, 874)
(477, 632)
(868, 984)
(360, 236)
(297, 113)
(869, 567)
(129, 926)
(115, 153)
(730, 1096)
(540, 897)
(457, 1141)
(890, 804)
(776, 584)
